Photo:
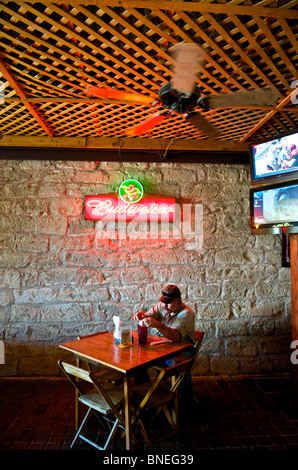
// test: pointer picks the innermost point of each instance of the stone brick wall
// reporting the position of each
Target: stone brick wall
(61, 275)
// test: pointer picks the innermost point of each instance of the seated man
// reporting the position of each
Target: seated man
(173, 320)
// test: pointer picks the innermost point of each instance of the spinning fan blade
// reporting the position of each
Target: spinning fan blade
(189, 58)
(112, 93)
(245, 99)
(197, 120)
(148, 124)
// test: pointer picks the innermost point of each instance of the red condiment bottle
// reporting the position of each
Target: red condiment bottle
(143, 332)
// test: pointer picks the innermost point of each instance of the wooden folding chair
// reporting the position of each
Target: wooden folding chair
(199, 338)
(101, 373)
(157, 396)
(107, 400)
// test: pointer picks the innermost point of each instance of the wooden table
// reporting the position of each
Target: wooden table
(101, 349)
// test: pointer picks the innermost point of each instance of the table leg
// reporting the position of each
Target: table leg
(127, 409)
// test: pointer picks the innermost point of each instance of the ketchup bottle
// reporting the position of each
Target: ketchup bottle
(142, 331)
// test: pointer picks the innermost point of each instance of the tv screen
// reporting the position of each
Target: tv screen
(274, 208)
(275, 159)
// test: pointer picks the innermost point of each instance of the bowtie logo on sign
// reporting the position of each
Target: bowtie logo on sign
(131, 191)
(130, 205)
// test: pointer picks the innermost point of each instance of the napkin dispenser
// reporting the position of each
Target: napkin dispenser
(122, 336)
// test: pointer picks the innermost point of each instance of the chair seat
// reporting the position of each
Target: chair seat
(160, 397)
(96, 401)
(109, 376)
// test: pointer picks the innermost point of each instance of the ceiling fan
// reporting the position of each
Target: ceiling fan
(182, 96)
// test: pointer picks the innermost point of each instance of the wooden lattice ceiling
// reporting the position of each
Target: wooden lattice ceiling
(50, 51)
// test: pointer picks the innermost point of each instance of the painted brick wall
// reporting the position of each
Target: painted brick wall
(61, 276)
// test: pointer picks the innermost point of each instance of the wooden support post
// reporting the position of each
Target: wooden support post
(294, 295)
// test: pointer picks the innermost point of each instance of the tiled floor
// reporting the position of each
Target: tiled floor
(240, 414)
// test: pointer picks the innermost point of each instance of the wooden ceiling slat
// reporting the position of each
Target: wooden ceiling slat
(43, 43)
(256, 46)
(204, 71)
(36, 84)
(117, 35)
(139, 35)
(245, 59)
(16, 120)
(40, 71)
(270, 114)
(159, 30)
(101, 38)
(289, 34)
(11, 115)
(216, 48)
(276, 46)
(20, 92)
(73, 46)
(217, 8)
(287, 117)
(75, 112)
(121, 51)
(6, 111)
(68, 55)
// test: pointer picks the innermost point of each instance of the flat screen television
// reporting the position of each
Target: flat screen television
(274, 208)
(274, 159)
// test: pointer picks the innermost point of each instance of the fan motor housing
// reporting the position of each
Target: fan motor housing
(179, 103)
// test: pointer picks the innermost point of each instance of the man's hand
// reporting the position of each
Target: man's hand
(138, 316)
(170, 333)
(151, 322)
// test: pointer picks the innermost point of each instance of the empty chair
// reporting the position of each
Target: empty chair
(101, 372)
(105, 400)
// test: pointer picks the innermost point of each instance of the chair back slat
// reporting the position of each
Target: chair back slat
(199, 338)
(76, 371)
(176, 369)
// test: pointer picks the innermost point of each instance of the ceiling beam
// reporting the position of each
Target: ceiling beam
(114, 143)
(226, 8)
(7, 75)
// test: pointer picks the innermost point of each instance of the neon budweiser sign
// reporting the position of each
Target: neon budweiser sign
(130, 204)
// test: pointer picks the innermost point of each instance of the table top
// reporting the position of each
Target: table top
(102, 349)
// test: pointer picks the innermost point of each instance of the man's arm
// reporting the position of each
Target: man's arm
(154, 313)
(170, 333)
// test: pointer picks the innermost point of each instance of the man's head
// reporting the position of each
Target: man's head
(171, 297)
